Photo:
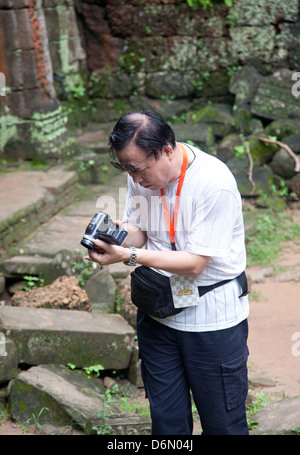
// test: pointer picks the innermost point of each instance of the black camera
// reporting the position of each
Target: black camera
(102, 227)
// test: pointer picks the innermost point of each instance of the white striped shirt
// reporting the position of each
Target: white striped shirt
(210, 223)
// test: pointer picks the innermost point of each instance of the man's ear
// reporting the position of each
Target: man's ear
(167, 149)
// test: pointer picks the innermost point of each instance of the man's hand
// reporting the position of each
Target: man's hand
(105, 253)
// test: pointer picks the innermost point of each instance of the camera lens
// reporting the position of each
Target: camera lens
(87, 243)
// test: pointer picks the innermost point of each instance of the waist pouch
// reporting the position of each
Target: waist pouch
(151, 292)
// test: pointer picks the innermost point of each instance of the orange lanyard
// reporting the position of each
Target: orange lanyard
(171, 226)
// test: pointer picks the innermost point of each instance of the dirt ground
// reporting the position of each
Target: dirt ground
(274, 329)
(274, 333)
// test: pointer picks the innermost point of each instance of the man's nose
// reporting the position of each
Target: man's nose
(136, 178)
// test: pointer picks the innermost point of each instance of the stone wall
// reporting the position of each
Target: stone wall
(174, 50)
(39, 40)
(108, 56)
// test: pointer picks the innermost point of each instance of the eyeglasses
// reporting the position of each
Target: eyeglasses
(128, 167)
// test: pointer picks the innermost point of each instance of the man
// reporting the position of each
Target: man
(203, 348)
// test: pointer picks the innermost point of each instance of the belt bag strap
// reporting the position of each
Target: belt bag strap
(242, 279)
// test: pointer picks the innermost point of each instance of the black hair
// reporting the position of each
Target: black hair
(146, 129)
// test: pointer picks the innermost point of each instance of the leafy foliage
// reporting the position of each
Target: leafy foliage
(205, 3)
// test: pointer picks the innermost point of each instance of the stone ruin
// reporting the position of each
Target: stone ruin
(114, 56)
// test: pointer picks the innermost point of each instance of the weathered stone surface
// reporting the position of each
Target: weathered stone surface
(62, 336)
(288, 275)
(62, 232)
(293, 141)
(262, 176)
(30, 205)
(102, 48)
(134, 370)
(274, 98)
(18, 266)
(294, 185)
(226, 148)
(281, 417)
(61, 397)
(64, 293)
(243, 84)
(283, 127)
(247, 41)
(261, 382)
(201, 134)
(101, 289)
(8, 359)
(257, 12)
(67, 53)
(259, 276)
(261, 152)
(283, 165)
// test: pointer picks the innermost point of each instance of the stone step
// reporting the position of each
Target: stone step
(30, 198)
(58, 396)
(43, 247)
(279, 418)
(68, 336)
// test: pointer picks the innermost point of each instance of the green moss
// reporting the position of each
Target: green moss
(8, 128)
(261, 152)
(46, 127)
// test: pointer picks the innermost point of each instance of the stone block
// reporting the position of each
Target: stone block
(62, 336)
(18, 266)
(63, 397)
(8, 359)
(8, 20)
(283, 165)
(25, 103)
(260, 13)
(134, 371)
(274, 98)
(101, 288)
(294, 185)
(281, 417)
(262, 176)
(16, 4)
(14, 76)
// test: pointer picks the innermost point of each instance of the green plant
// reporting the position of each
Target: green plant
(77, 91)
(37, 418)
(107, 400)
(198, 85)
(132, 405)
(93, 370)
(3, 415)
(261, 400)
(272, 229)
(118, 302)
(206, 3)
(84, 165)
(232, 69)
(83, 270)
(33, 282)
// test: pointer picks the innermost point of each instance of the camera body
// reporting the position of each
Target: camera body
(102, 227)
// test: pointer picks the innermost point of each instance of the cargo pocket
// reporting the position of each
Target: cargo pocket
(235, 380)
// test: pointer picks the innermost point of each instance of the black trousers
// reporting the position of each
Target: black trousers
(211, 365)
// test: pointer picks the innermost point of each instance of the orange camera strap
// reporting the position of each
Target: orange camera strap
(171, 226)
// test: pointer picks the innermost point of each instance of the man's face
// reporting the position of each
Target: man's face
(147, 171)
